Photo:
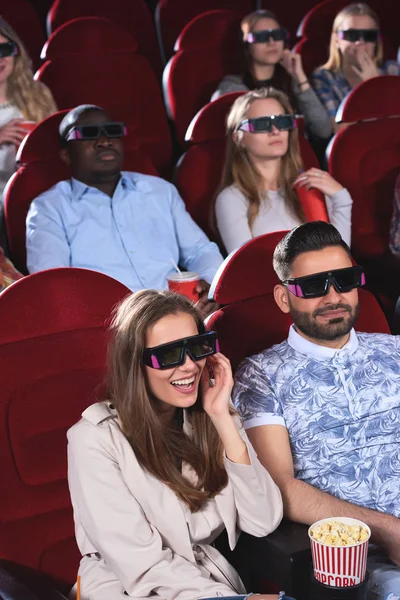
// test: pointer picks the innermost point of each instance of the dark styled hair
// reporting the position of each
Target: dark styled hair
(308, 237)
(71, 119)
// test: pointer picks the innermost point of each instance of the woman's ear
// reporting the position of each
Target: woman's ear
(281, 298)
(237, 137)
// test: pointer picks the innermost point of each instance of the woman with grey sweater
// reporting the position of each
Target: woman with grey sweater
(269, 64)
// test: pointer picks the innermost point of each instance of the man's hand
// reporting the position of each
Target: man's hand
(204, 305)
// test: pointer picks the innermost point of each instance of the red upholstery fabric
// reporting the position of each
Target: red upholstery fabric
(198, 173)
(365, 158)
(213, 28)
(171, 16)
(313, 203)
(375, 98)
(85, 35)
(41, 169)
(289, 18)
(22, 17)
(132, 15)
(314, 52)
(131, 94)
(189, 80)
(251, 320)
(52, 352)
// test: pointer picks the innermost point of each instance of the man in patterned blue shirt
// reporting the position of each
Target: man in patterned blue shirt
(127, 225)
(322, 409)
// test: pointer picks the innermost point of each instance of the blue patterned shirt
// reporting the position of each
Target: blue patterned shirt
(394, 240)
(341, 409)
(332, 86)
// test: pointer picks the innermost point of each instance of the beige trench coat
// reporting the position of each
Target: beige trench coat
(134, 527)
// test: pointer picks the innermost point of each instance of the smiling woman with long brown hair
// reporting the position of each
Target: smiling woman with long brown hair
(162, 466)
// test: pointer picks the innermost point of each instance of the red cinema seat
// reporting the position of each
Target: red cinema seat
(289, 16)
(132, 15)
(22, 17)
(88, 35)
(171, 16)
(249, 320)
(125, 86)
(372, 99)
(199, 170)
(213, 28)
(53, 356)
(41, 169)
(365, 158)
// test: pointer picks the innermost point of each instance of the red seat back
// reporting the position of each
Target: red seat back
(22, 17)
(372, 99)
(288, 18)
(365, 158)
(53, 354)
(41, 169)
(199, 171)
(129, 92)
(171, 16)
(132, 15)
(251, 321)
(88, 35)
(217, 28)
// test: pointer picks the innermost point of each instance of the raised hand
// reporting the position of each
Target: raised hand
(12, 132)
(366, 68)
(321, 180)
(293, 65)
(217, 393)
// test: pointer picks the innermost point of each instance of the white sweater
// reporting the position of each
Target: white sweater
(231, 215)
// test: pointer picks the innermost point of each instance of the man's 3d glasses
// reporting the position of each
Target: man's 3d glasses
(314, 286)
(173, 354)
(259, 37)
(93, 132)
(265, 124)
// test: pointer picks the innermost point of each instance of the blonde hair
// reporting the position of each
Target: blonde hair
(360, 9)
(239, 169)
(160, 448)
(33, 98)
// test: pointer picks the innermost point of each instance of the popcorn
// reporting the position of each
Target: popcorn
(335, 533)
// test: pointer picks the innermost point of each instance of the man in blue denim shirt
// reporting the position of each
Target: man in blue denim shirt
(322, 409)
(127, 225)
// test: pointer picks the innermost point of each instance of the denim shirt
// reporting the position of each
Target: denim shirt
(341, 409)
(132, 236)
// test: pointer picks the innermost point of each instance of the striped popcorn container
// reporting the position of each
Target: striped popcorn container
(339, 566)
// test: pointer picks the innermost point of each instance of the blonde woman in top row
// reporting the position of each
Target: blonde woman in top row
(262, 167)
(162, 466)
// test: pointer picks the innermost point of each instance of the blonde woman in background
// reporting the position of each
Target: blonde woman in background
(356, 54)
(21, 98)
(262, 166)
(268, 62)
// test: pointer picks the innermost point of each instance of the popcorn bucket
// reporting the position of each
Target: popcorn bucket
(339, 566)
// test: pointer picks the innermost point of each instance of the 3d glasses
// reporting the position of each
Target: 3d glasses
(173, 354)
(93, 132)
(314, 286)
(265, 124)
(356, 35)
(8, 49)
(259, 37)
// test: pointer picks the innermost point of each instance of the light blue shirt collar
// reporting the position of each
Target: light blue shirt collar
(79, 188)
(299, 343)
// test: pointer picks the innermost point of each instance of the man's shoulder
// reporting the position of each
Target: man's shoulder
(57, 192)
(377, 341)
(149, 183)
(269, 359)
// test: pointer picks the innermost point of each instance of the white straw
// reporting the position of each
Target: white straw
(175, 266)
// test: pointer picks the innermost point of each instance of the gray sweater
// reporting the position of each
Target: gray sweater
(316, 117)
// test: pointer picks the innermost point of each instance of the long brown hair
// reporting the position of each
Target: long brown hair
(33, 98)
(334, 61)
(281, 79)
(239, 169)
(158, 447)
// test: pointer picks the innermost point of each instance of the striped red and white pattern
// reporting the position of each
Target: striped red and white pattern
(340, 566)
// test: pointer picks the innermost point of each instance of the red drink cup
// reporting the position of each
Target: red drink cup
(339, 566)
(28, 126)
(313, 204)
(184, 283)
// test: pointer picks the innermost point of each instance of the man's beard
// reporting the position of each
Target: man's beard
(333, 329)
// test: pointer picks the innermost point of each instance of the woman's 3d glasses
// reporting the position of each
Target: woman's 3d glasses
(93, 132)
(314, 286)
(8, 49)
(265, 124)
(173, 354)
(356, 35)
(259, 37)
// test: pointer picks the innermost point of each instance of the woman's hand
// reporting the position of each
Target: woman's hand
(216, 397)
(293, 65)
(366, 68)
(321, 180)
(12, 133)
